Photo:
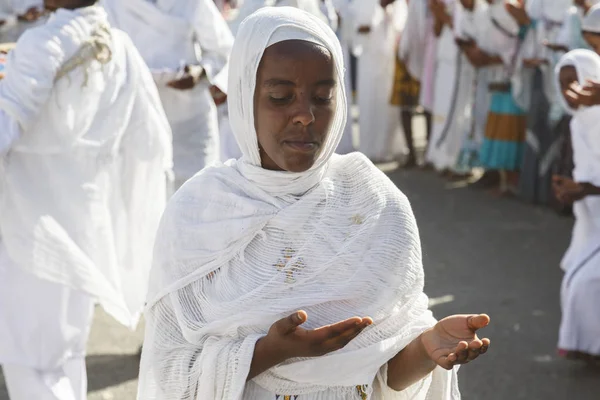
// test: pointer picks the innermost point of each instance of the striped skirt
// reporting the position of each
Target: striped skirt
(504, 140)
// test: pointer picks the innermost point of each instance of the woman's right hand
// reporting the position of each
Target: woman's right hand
(287, 338)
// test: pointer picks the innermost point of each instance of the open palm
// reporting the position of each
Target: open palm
(454, 340)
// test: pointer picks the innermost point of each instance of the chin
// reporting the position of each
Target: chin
(298, 165)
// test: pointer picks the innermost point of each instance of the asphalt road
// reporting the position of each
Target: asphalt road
(481, 254)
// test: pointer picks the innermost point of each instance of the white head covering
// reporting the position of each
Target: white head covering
(259, 31)
(587, 65)
(591, 22)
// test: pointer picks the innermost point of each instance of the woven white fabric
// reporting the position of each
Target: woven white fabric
(94, 148)
(240, 247)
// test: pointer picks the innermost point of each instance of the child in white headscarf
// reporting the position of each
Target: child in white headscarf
(243, 246)
(580, 293)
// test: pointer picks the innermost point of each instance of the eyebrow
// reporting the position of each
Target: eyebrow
(284, 82)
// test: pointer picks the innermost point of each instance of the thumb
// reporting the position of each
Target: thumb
(476, 322)
(287, 325)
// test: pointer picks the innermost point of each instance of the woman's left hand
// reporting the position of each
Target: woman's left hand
(453, 340)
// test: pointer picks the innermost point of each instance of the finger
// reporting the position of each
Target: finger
(331, 331)
(486, 345)
(287, 325)
(475, 322)
(462, 355)
(342, 340)
(474, 349)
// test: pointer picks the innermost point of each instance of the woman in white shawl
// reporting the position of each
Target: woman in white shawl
(243, 246)
(580, 293)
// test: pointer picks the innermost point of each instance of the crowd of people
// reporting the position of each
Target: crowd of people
(240, 114)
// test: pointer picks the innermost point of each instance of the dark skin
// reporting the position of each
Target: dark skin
(441, 16)
(53, 5)
(192, 74)
(294, 103)
(516, 8)
(568, 79)
(593, 39)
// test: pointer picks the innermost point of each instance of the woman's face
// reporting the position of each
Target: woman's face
(593, 39)
(294, 104)
(567, 76)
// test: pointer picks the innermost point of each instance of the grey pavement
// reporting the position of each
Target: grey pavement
(481, 254)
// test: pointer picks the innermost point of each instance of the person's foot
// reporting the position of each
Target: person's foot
(488, 180)
(457, 177)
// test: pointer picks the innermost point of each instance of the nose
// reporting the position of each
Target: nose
(303, 111)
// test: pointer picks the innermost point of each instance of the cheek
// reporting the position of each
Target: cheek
(324, 118)
(269, 124)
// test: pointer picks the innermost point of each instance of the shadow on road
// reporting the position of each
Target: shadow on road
(103, 371)
(111, 370)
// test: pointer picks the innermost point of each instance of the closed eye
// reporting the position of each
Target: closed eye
(281, 100)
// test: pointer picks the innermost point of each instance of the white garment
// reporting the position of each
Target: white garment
(94, 145)
(43, 336)
(345, 35)
(240, 247)
(591, 22)
(549, 16)
(580, 292)
(171, 34)
(381, 137)
(453, 96)
(20, 7)
(414, 39)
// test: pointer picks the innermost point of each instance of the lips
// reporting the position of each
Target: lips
(301, 145)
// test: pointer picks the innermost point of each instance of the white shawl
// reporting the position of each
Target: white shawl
(586, 153)
(94, 148)
(239, 247)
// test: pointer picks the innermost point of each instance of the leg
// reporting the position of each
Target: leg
(428, 127)
(68, 382)
(43, 336)
(407, 118)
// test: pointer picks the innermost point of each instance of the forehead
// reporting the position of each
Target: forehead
(296, 56)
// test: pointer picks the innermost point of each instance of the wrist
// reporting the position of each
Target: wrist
(271, 351)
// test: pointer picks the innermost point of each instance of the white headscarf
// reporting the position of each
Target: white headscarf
(240, 247)
(587, 65)
(591, 22)
(253, 38)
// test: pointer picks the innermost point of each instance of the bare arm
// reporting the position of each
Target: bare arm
(409, 366)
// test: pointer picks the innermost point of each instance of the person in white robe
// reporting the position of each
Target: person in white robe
(579, 336)
(376, 30)
(243, 246)
(343, 21)
(472, 23)
(186, 44)
(454, 89)
(85, 149)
